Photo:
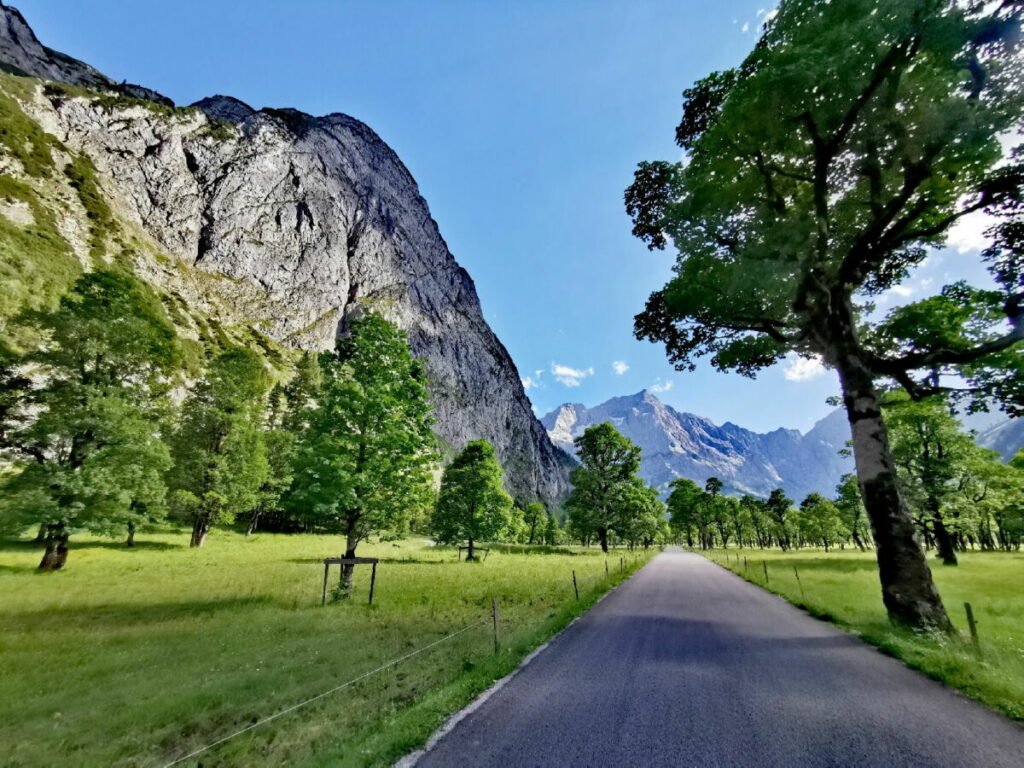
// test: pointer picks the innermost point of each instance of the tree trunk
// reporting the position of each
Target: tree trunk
(351, 542)
(253, 519)
(471, 554)
(130, 541)
(908, 592)
(602, 534)
(200, 530)
(943, 539)
(56, 554)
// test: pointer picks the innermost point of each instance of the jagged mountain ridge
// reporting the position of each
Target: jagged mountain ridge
(677, 444)
(278, 222)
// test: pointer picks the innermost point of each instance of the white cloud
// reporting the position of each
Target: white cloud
(660, 386)
(619, 367)
(528, 382)
(968, 234)
(902, 290)
(802, 368)
(570, 377)
(745, 27)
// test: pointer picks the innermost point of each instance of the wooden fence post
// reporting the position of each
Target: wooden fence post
(622, 564)
(744, 564)
(494, 615)
(606, 567)
(974, 629)
(765, 566)
(575, 588)
(373, 580)
(797, 574)
(323, 600)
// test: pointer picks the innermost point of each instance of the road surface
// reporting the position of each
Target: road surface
(686, 664)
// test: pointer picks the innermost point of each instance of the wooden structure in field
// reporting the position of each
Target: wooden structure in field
(485, 550)
(341, 562)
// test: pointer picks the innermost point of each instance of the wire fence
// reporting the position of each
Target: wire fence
(335, 689)
(616, 567)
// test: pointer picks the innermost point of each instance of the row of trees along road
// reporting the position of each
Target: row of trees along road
(961, 497)
(817, 175)
(92, 438)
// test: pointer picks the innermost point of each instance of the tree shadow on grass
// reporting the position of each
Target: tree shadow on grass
(821, 564)
(129, 614)
(383, 560)
(141, 545)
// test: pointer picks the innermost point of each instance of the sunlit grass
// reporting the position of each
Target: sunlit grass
(137, 656)
(843, 587)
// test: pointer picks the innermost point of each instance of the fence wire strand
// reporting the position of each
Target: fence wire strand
(319, 696)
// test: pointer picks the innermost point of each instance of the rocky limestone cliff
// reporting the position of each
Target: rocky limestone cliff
(679, 444)
(279, 222)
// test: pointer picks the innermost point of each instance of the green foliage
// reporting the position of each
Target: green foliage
(641, 513)
(220, 458)
(473, 505)
(820, 173)
(552, 531)
(364, 457)
(827, 164)
(36, 263)
(603, 498)
(81, 174)
(535, 518)
(94, 459)
(819, 522)
(851, 509)
(21, 137)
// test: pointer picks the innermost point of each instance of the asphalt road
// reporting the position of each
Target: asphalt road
(686, 664)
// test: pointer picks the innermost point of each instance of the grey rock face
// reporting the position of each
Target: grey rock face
(684, 445)
(308, 216)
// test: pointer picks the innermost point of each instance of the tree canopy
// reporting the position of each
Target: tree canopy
(473, 505)
(220, 456)
(92, 454)
(817, 175)
(364, 456)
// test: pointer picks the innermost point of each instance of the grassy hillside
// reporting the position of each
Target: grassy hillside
(843, 587)
(137, 656)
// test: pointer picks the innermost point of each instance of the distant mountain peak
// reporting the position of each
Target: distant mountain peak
(679, 444)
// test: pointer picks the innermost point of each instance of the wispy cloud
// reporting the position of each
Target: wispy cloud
(570, 377)
(802, 368)
(660, 386)
(619, 367)
(528, 382)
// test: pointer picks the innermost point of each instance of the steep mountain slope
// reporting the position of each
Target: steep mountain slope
(1005, 437)
(684, 445)
(265, 226)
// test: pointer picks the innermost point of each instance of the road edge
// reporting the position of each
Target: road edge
(411, 759)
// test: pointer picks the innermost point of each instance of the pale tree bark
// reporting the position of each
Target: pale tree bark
(908, 591)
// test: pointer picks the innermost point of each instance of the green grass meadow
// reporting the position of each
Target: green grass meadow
(139, 656)
(842, 586)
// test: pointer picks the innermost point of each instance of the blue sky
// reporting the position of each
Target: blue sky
(522, 122)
